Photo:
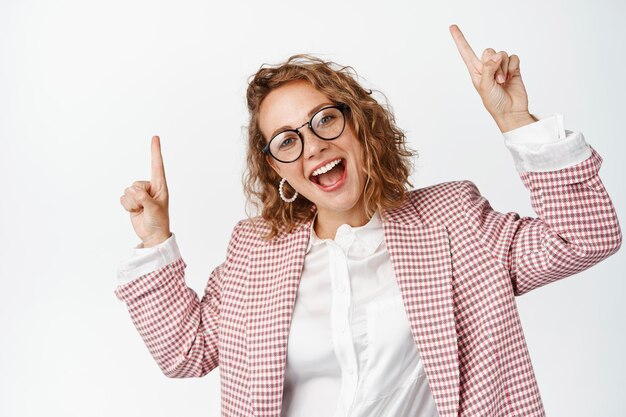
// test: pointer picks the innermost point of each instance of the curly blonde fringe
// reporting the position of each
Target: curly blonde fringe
(388, 160)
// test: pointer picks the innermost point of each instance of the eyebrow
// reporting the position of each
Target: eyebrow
(310, 114)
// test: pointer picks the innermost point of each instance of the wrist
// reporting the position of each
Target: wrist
(512, 121)
(156, 240)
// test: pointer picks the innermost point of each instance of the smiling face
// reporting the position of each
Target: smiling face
(290, 105)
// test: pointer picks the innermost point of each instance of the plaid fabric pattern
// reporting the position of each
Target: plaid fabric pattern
(458, 263)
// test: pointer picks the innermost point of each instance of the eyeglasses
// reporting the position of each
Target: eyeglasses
(328, 124)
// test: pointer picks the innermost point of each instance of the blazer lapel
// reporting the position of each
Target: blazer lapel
(273, 277)
(422, 263)
(421, 259)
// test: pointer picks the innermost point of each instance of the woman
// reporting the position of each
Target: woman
(350, 295)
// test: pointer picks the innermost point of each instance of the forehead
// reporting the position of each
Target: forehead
(288, 105)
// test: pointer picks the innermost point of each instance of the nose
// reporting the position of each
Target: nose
(313, 145)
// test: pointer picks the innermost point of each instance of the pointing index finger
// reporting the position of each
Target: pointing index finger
(466, 51)
(158, 172)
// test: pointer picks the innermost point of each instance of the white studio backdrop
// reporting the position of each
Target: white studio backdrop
(84, 85)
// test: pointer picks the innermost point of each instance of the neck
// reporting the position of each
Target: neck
(327, 222)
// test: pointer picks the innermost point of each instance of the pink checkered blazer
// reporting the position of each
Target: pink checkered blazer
(458, 263)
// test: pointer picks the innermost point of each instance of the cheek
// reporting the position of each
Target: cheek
(359, 158)
(295, 172)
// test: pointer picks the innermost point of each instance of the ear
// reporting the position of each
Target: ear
(272, 162)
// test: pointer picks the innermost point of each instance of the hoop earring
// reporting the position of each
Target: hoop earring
(282, 196)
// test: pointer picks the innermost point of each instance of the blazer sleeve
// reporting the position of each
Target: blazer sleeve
(180, 331)
(576, 226)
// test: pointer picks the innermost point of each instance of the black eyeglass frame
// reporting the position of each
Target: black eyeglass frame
(341, 106)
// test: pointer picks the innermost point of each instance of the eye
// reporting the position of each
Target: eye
(286, 142)
(326, 119)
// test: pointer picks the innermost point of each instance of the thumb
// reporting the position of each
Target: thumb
(144, 198)
(488, 77)
(152, 190)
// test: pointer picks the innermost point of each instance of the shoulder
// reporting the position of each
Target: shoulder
(250, 232)
(443, 202)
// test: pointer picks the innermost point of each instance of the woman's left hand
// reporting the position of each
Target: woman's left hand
(497, 78)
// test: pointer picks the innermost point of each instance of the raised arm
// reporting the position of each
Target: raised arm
(576, 226)
(180, 331)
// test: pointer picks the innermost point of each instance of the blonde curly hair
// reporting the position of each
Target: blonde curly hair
(388, 160)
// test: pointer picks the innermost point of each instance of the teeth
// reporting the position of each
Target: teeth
(326, 167)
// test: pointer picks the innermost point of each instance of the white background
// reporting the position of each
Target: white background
(84, 86)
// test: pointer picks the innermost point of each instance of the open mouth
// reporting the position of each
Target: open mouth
(331, 177)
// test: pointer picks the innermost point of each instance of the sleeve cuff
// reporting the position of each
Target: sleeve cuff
(146, 260)
(545, 145)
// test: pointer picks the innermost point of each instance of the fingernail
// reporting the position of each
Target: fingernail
(495, 57)
(500, 78)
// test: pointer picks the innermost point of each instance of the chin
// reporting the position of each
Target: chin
(344, 201)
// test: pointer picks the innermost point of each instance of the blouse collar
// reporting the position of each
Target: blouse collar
(370, 235)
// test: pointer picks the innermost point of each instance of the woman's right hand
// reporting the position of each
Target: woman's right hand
(147, 202)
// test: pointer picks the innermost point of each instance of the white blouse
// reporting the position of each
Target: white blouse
(350, 342)
(350, 348)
